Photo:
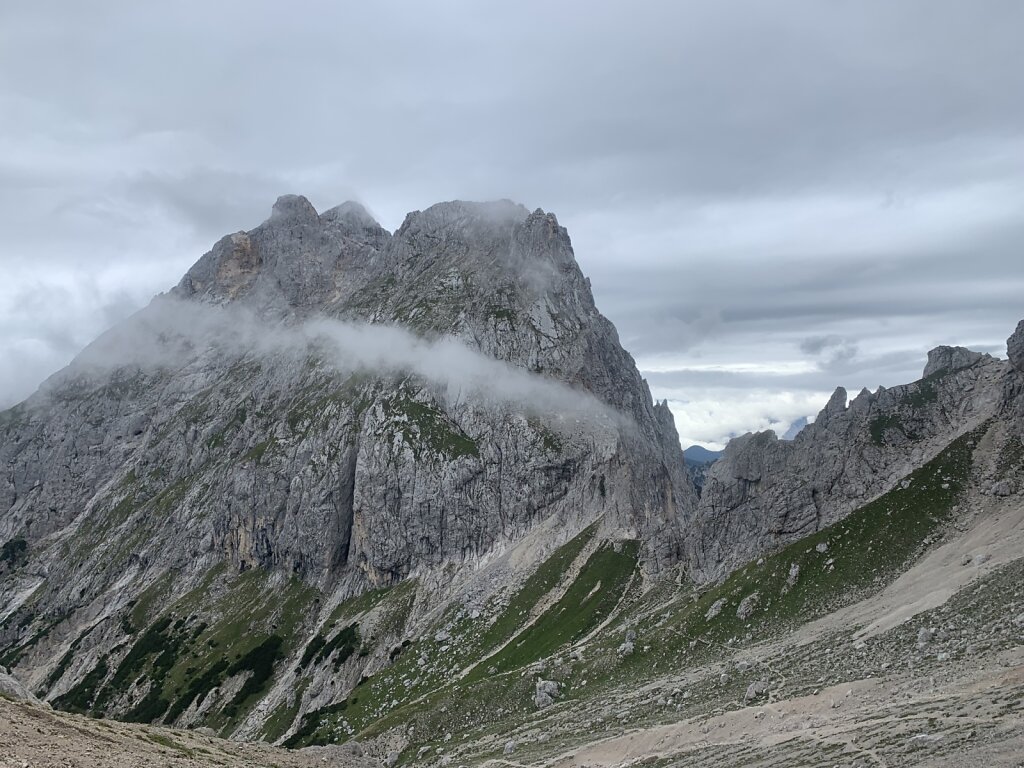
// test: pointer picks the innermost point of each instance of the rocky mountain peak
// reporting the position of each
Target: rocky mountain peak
(462, 215)
(835, 406)
(945, 359)
(294, 209)
(1015, 347)
(353, 217)
(295, 260)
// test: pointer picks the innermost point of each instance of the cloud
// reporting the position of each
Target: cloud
(738, 177)
(832, 351)
(710, 417)
(174, 333)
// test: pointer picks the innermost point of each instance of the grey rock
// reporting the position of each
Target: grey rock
(715, 609)
(12, 688)
(546, 691)
(924, 740)
(747, 605)
(1003, 488)
(794, 574)
(755, 690)
(277, 460)
(947, 359)
(1015, 347)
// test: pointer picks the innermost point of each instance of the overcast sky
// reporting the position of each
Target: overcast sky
(771, 199)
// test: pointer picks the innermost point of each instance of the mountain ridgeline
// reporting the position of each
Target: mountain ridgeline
(338, 480)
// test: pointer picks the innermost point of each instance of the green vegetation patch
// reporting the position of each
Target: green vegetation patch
(338, 649)
(212, 634)
(319, 404)
(425, 684)
(82, 697)
(259, 451)
(14, 553)
(880, 425)
(548, 576)
(1011, 457)
(587, 602)
(283, 716)
(424, 427)
(549, 440)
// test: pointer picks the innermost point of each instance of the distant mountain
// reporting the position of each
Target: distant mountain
(795, 427)
(697, 454)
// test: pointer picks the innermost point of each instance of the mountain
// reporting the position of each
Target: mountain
(699, 461)
(698, 454)
(794, 428)
(320, 408)
(407, 490)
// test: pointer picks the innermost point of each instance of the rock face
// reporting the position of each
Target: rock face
(206, 433)
(1015, 347)
(943, 360)
(765, 493)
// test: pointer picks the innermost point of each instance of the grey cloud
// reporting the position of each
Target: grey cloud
(894, 367)
(208, 200)
(817, 344)
(838, 351)
(737, 176)
(173, 333)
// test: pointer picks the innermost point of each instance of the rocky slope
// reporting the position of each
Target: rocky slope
(317, 409)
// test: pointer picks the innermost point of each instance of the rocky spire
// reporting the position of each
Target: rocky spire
(1015, 347)
(950, 359)
(293, 261)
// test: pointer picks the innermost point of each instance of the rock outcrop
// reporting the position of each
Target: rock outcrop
(1015, 347)
(12, 688)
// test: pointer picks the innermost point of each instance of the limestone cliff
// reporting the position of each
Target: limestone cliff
(286, 412)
